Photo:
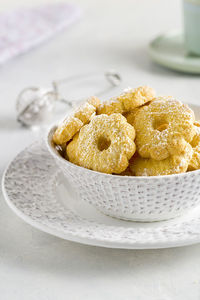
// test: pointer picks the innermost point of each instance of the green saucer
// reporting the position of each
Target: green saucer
(168, 50)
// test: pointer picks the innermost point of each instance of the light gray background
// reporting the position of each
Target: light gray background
(35, 265)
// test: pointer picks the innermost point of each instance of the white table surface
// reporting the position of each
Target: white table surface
(35, 265)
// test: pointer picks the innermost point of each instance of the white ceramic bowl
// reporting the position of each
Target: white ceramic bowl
(144, 199)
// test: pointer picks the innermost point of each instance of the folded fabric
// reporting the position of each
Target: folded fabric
(25, 28)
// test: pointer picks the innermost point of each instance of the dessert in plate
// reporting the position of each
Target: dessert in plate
(135, 156)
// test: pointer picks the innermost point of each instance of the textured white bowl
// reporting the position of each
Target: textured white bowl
(144, 199)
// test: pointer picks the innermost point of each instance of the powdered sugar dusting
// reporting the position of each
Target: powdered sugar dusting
(116, 132)
(178, 118)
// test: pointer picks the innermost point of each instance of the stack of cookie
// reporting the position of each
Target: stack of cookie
(134, 134)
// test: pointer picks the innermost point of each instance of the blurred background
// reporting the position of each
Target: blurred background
(106, 34)
(109, 34)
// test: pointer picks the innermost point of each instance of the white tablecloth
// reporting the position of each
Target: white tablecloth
(35, 265)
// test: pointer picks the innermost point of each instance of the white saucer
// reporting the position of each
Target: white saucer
(169, 51)
(36, 191)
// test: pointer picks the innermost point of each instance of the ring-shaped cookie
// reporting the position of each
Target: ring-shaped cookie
(105, 144)
(163, 128)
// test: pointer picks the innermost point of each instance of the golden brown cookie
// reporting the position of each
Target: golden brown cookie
(163, 128)
(73, 123)
(105, 144)
(132, 98)
(172, 165)
(195, 160)
(66, 130)
(127, 101)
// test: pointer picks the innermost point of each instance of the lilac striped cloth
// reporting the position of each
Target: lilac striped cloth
(25, 28)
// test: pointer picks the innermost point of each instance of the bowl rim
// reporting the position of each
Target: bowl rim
(55, 154)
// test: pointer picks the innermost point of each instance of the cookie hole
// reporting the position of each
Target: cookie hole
(160, 125)
(103, 143)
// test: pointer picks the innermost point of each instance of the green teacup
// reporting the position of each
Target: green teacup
(192, 25)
